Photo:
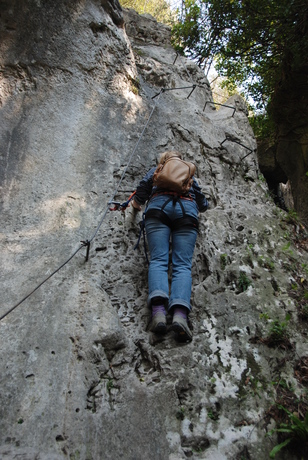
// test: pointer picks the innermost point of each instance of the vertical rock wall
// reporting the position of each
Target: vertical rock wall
(81, 377)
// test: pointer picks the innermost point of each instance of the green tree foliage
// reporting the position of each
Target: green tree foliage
(159, 9)
(254, 42)
(263, 126)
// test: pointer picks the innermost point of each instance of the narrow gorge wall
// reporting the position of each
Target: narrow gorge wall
(81, 377)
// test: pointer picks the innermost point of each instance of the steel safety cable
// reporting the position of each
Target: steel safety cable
(87, 242)
(37, 287)
(126, 168)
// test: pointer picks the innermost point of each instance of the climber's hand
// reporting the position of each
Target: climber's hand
(136, 205)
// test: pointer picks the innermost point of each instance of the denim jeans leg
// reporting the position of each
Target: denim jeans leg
(183, 244)
(158, 235)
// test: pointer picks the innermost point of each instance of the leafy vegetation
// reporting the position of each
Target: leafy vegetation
(252, 41)
(299, 290)
(110, 385)
(213, 415)
(290, 410)
(180, 413)
(223, 261)
(296, 429)
(243, 282)
(159, 9)
(278, 330)
(292, 217)
(278, 333)
(262, 125)
(267, 263)
(134, 85)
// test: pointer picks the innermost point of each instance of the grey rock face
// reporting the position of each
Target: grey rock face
(81, 377)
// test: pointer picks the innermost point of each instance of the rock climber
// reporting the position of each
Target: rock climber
(169, 214)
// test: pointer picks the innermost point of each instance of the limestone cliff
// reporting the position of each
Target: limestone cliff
(81, 377)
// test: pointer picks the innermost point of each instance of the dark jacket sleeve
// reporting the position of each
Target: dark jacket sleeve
(201, 201)
(144, 189)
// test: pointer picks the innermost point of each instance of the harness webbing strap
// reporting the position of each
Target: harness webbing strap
(184, 221)
(142, 231)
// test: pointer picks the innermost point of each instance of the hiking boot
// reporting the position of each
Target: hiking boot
(158, 324)
(181, 329)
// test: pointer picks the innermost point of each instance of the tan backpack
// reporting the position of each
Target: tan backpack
(175, 175)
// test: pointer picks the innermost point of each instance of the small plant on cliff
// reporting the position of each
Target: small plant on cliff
(304, 305)
(292, 217)
(304, 312)
(180, 415)
(134, 85)
(287, 249)
(264, 316)
(223, 261)
(305, 268)
(296, 429)
(278, 330)
(267, 263)
(243, 282)
(260, 177)
(109, 385)
(212, 415)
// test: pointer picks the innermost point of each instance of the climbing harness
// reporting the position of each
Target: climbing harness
(184, 221)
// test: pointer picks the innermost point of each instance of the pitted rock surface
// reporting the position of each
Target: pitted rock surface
(81, 376)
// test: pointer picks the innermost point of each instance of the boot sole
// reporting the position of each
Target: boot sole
(160, 328)
(182, 335)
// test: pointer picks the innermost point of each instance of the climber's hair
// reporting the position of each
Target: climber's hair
(169, 153)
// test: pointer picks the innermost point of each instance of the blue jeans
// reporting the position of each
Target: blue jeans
(183, 240)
